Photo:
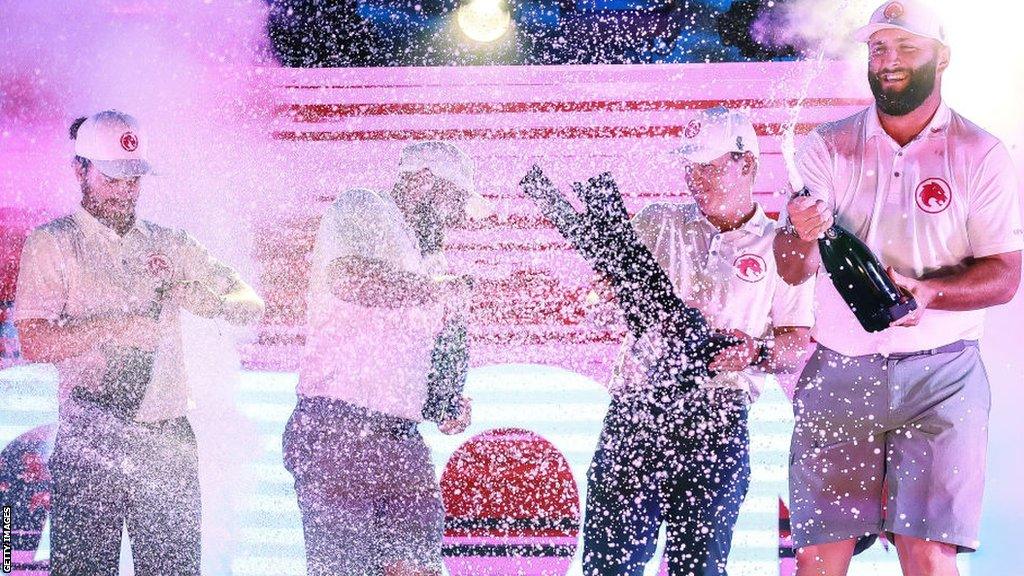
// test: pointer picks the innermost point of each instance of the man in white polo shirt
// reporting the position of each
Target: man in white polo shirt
(99, 293)
(903, 411)
(378, 298)
(684, 460)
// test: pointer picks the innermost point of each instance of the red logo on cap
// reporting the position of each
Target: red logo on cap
(159, 265)
(750, 267)
(129, 141)
(933, 195)
(692, 129)
(893, 11)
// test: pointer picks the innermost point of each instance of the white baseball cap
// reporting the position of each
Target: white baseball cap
(445, 160)
(907, 15)
(115, 143)
(716, 131)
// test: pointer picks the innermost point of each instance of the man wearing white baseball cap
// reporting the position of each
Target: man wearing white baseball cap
(684, 461)
(379, 296)
(99, 293)
(892, 426)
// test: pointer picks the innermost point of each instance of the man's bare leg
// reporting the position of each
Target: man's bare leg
(926, 557)
(832, 559)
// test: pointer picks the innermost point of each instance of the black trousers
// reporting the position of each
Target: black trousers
(108, 473)
(686, 465)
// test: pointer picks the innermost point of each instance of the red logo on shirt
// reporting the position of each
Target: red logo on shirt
(893, 11)
(692, 129)
(159, 265)
(933, 195)
(129, 141)
(750, 267)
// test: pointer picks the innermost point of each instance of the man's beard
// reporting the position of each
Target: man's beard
(905, 101)
(110, 212)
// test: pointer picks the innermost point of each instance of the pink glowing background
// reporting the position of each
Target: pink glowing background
(249, 153)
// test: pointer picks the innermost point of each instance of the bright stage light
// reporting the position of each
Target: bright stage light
(484, 21)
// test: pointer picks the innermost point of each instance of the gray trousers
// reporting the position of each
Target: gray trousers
(107, 473)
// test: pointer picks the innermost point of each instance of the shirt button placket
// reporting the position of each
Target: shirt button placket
(713, 250)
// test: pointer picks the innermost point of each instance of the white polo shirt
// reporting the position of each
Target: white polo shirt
(374, 357)
(75, 267)
(729, 276)
(949, 194)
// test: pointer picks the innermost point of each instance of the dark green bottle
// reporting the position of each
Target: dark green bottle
(861, 280)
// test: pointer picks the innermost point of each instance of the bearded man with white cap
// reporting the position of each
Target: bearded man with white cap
(379, 296)
(892, 426)
(99, 293)
(683, 461)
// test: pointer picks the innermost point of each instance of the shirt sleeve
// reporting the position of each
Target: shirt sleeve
(649, 224)
(41, 291)
(644, 222)
(355, 226)
(793, 305)
(199, 265)
(993, 218)
(814, 164)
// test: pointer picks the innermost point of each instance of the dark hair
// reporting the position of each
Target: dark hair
(73, 130)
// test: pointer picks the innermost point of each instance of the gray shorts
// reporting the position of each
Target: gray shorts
(367, 490)
(894, 444)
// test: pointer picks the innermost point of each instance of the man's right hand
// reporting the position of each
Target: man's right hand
(454, 290)
(809, 217)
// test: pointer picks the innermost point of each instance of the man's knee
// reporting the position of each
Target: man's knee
(831, 559)
(926, 556)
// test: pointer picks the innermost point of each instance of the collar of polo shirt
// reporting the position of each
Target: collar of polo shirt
(94, 226)
(938, 123)
(755, 225)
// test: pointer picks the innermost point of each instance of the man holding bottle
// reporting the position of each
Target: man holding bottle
(379, 296)
(683, 459)
(99, 294)
(891, 430)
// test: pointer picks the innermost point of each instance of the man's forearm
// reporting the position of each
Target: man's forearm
(375, 284)
(47, 341)
(981, 283)
(789, 349)
(795, 259)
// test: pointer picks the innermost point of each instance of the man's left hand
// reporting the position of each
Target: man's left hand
(922, 292)
(459, 424)
(738, 357)
(197, 298)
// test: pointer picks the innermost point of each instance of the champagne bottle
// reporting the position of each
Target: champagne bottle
(449, 366)
(861, 279)
(603, 235)
(129, 371)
